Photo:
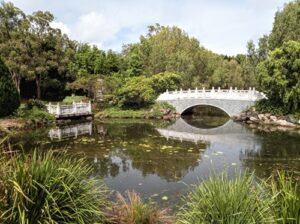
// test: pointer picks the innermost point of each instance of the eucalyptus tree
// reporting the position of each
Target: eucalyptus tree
(13, 29)
(286, 25)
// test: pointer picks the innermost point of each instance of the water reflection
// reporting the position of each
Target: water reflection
(229, 133)
(158, 158)
(71, 131)
(205, 121)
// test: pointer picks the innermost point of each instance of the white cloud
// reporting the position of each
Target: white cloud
(221, 26)
(63, 27)
(95, 28)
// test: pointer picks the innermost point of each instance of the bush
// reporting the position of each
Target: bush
(136, 92)
(35, 116)
(141, 91)
(279, 76)
(165, 81)
(73, 98)
(131, 210)
(265, 106)
(44, 188)
(286, 195)
(220, 200)
(35, 103)
(9, 96)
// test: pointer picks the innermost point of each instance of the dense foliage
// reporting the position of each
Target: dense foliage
(9, 97)
(221, 200)
(141, 90)
(48, 188)
(286, 25)
(167, 48)
(279, 76)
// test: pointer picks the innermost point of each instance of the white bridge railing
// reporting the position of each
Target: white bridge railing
(70, 110)
(70, 131)
(228, 94)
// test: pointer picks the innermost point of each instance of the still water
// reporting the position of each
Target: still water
(159, 159)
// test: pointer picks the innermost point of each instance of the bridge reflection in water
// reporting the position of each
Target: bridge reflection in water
(229, 133)
(73, 131)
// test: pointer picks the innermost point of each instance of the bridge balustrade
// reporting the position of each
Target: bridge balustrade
(232, 94)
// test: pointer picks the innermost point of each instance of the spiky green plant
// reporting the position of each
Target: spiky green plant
(221, 200)
(286, 195)
(130, 209)
(51, 188)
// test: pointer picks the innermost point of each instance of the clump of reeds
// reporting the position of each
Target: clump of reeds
(285, 191)
(49, 188)
(221, 200)
(130, 209)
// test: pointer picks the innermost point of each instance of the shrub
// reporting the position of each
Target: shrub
(165, 80)
(131, 210)
(220, 200)
(35, 116)
(136, 92)
(35, 103)
(48, 188)
(9, 96)
(286, 194)
(265, 106)
(73, 98)
(279, 76)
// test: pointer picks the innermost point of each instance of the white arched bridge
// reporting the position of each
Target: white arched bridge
(231, 101)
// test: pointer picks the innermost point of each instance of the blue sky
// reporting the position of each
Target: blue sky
(221, 26)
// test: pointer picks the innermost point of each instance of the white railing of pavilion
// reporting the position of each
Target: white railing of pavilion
(73, 109)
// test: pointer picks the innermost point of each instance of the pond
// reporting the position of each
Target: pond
(165, 159)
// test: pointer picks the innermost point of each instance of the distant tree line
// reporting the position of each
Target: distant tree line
(46, 64)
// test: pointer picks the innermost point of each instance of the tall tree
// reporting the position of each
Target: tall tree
(46, 47)
(13, 26)
(170, 49)
(279, 76)
(286, 25)
(9, 97)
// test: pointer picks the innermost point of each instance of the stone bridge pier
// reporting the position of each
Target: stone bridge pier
(231, 101)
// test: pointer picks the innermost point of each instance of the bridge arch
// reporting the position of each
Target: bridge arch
(209, 105)
(231, 101)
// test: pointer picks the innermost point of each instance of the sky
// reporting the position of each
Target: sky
(223, 26)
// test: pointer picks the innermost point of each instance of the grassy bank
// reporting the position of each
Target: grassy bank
(155, 111)
(31, 114)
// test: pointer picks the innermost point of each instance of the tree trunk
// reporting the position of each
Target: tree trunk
(38, 81)
(17, 80)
